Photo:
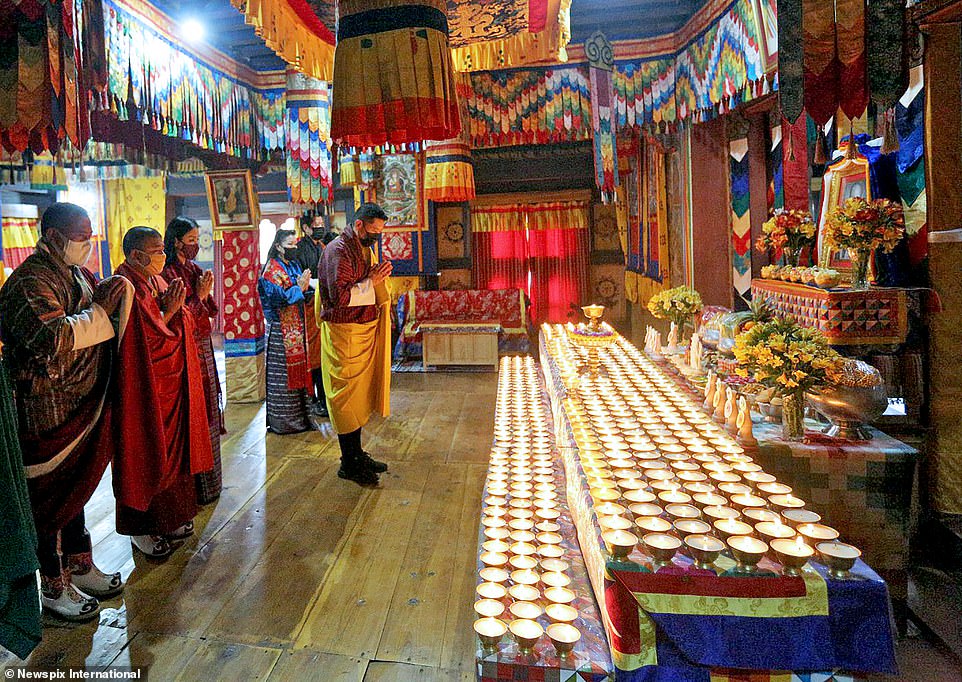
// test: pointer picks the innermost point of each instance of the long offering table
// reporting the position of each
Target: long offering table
(537, 619)
(704, 566)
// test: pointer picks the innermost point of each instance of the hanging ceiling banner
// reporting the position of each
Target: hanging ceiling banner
(393, 74)
(603, 138)
(308, 138)
(293, 30)
(852, 76)
(791, 80)
(820, 59)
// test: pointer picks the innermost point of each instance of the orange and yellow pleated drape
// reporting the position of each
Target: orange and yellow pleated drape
(130, 202)
(394, 75)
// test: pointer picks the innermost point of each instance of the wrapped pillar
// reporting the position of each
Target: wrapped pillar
(448, 168)
(394, 75)
(243, 320)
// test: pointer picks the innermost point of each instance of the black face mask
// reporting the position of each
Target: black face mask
(370, 240)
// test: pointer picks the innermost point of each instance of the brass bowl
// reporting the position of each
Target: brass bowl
(849, 408)
(838, 567)
(662, 555)
(564, 637)
(704, 557)
(526, 634)
(490, 631)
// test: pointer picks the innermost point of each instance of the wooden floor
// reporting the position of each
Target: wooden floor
(297, 575)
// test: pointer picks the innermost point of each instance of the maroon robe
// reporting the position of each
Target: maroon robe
(159, 416)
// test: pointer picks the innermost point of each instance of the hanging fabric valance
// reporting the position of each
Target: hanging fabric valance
(153, 81)
(53, 54)
(293, 31)
(506, 218)
(557, 215)
(529, 106)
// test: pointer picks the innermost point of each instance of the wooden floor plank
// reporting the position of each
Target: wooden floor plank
(185, 599)
(215, 660)
(383, 671)
(305, 665)
(435, 436)
(414, 627)
(271, 602)
(349, 614)
(458, 644)
(89, 644)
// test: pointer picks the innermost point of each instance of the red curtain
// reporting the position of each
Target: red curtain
(558, 260)
(500, 252)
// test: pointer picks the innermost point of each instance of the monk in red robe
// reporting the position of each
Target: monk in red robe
(159, 411)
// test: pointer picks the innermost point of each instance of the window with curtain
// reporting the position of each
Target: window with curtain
(540, 248)
(500, 252)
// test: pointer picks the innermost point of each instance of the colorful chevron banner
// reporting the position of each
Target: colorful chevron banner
(152, 80)
(308, 135)
(529, 106)
(741, 218)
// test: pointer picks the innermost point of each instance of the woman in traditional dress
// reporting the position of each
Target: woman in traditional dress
(282, 288)
(181, 245)
(308, 255)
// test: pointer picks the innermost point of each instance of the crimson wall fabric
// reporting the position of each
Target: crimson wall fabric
(500, 260)
(559, 274)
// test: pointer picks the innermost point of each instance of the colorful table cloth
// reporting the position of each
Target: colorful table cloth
(845, 317)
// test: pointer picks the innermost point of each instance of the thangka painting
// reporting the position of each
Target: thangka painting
(452, 232)
(605, 241)
(766, 15)
(397, 190)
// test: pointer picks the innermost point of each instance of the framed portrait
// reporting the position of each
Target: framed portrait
(766, 18)
(231, 199)
(843, 180)
(398, 191)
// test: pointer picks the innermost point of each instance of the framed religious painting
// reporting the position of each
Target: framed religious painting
(398, 191)
(766, 20)
(843, 180)
(232, 201)
(605, 240)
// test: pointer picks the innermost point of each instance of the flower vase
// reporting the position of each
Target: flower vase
(791, 256)
(793, 416)
(860, 261)
(681, 324)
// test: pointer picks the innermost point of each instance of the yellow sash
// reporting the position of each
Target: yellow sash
(356, 364)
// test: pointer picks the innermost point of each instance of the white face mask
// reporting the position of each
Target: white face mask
(77, 253)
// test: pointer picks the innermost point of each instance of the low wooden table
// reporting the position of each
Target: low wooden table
(460, 343)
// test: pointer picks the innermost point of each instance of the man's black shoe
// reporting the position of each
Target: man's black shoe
(369, 462)
(359, 474)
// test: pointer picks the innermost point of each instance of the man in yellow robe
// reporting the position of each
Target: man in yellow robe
(353, 307)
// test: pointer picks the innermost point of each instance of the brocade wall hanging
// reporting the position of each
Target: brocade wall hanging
(604, 142)
(497, 34)
(150, 79)
(393, 74)
(53, 54)
(308, 138)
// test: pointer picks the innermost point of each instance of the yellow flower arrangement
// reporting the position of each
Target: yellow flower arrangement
(787, 233)
(786, 356)
(865, 225)
(677, 304)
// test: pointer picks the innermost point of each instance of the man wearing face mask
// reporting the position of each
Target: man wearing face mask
(56, 329)
(159, 416)
(308, 255)
(354, 309)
